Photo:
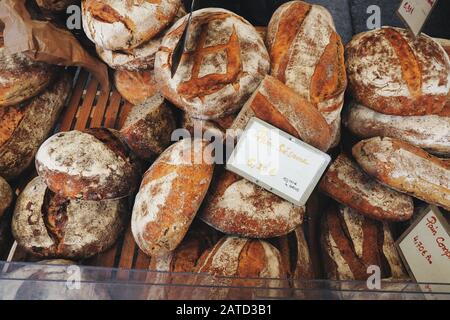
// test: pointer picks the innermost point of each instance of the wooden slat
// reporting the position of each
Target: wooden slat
(127, 254)
(71, 110)
(84, 111)
(99, 110)
(112, 110)
(124, 113)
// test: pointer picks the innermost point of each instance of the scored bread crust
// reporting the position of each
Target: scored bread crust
(238, 207)
(431, 132)
(135, 87)
(91, 165)
(406, 168)
(120, 25)
(308, 56)
(170, 195)
(225, 61)
(50, 226)
(348, 184)
(25, 127)
(391, 72)
(351, 243)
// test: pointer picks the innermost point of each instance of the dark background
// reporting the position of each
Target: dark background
(349, 15)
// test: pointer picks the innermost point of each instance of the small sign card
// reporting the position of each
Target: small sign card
(415, 13)
(425, 249)
(278, 162)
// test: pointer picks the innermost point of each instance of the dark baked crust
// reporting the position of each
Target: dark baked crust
(55, 5)
(135, 87)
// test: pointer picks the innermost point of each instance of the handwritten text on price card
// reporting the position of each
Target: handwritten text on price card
(415, 13)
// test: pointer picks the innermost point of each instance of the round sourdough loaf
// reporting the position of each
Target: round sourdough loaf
(351, 243)
(148, 127)
(225, 61)
(24, 127)
(431, 132)
(135, 86)
(55, 5)
(90, 165)
(391, 72)
(348, 184)
(238, 207)
(47, 225)
(171, 193)
(119, 25)
(308, 56)
(21, 77)
(6, 196)
(406, 168)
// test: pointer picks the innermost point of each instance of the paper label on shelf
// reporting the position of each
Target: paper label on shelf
(425, 248)
(278, 162)
(414, 13)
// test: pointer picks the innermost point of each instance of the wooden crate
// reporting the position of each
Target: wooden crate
(88, 107)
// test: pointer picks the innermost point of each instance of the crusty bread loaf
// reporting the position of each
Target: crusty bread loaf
(119, 25)
(308, 56)
(351, 243)
(55, 5)
(280, 106)
(24, 127)
(90, 165)
(238, 207)
(135, 86)
(431, 132)
(225, 61)
(6, 196)
(170, 195)
(393, 73)
(406, 168)
(346, 182)
(262, 32)
(148, 127)
(47, 225)
(216, 127)
(303, 267)
(21, 77)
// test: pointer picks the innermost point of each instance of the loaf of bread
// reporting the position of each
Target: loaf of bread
(304, 266)
(55, 5)
(21, 78)
(394, 73)
(135, 86)
(148, 127)
(430, 132)
(6, 196)
(351, 243)
(280, 106)
(406, 168)
(47, 225)
(24, 127)
(170, 195)
(348, 184)
(308, 56)
(90, 165)
(51, 280)
(236, 206)
(225, 61)
(216, 127)
(120, 25)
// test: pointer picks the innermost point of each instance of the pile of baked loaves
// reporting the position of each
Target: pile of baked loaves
(292, 74)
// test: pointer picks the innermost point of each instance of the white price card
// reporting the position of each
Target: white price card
(278, 162)
(415, 13)
(425, 249)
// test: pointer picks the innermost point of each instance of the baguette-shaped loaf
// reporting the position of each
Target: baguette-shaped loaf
(351, 243)
(406, 168)
(24, 127)
(280, 106)
(394, 73)
(348, 184)
(430, 132)
(170, 195)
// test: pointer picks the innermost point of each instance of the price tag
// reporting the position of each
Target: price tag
(278, 162)
(425, 249)
(415, 13)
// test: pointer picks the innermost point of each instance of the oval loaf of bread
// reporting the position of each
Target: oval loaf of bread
(225, 61)
(170, 195)
(393, 73)
(348, 184)
(238, 207)
(47, 225)
(406, 168)
(90, 165)
(430, 132)
(135, 87)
